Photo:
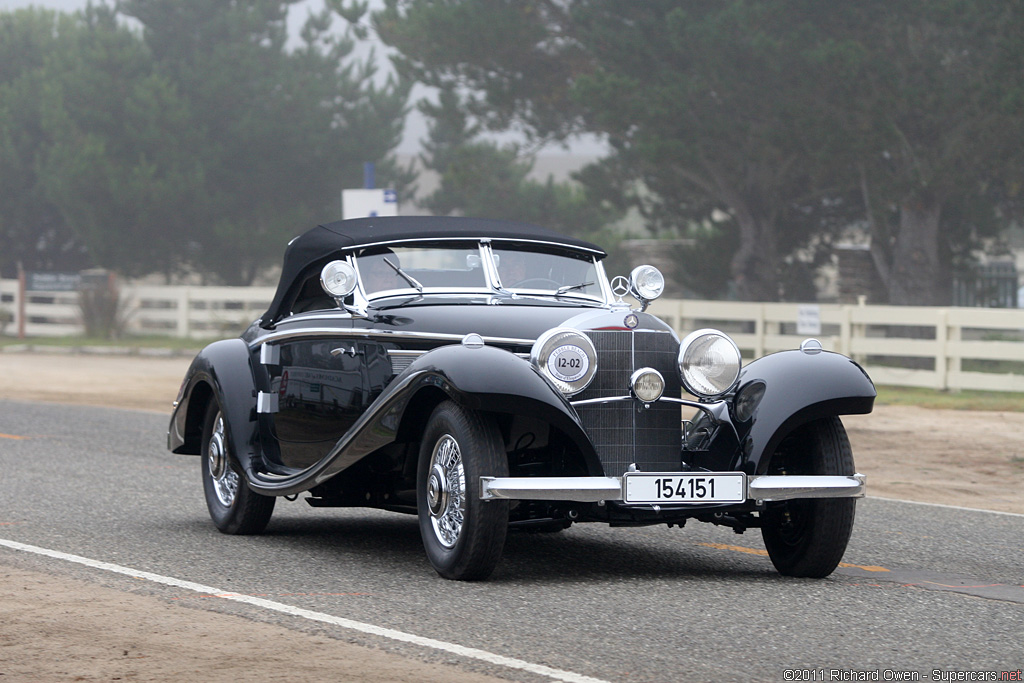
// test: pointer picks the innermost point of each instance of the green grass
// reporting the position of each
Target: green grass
(951, 400)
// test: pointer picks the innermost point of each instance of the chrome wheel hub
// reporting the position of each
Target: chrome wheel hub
(225, 479)
(446, 491)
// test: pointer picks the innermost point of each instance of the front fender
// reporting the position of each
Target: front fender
(484, 379)
(798, 387)
(222, 370)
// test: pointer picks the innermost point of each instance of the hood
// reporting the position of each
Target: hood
(511, 318)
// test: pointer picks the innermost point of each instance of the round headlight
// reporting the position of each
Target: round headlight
(647, 384)
(646, 283)
(566, 357)
(709, 363)
(338, 279)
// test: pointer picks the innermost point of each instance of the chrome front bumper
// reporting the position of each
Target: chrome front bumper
(760, 488)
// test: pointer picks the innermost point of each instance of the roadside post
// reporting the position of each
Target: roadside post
(21, 301)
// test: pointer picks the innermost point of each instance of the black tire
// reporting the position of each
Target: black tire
(234, 507)
(462, 535)
(808, 537)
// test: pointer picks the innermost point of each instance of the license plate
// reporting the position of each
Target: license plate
(696, 487)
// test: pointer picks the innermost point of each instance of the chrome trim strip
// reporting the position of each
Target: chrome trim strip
(792, 486)
(580, 489)
(402, 353)
(441, 238)
(666, 399)
(267, 402)
(285, 335)
(763, 488)
(270, 354)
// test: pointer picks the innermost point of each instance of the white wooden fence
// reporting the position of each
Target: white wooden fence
(193, 312)
(940, 348)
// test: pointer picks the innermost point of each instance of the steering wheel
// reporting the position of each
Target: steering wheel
(537, 283)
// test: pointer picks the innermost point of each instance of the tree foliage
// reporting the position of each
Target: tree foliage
(204, 140)
(482, 178)
(32, 230)
(110, 170)
(762, 126)
(933, 113)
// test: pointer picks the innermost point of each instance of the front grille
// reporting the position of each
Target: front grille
(622, 434)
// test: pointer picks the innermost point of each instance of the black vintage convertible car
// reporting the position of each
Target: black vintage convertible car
(486, 376)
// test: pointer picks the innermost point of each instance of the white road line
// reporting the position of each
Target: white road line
(469, 652)
(949, 507)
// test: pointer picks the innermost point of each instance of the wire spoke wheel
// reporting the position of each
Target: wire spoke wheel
(234, 507)
(463, 536)
(225, 479)
(446, 491)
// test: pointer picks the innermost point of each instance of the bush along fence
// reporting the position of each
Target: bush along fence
(940, 348)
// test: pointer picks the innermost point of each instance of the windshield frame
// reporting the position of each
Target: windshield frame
(492, 285)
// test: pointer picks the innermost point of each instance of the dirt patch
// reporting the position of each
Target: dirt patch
(954, 457)
(70, 630)
(136, 382)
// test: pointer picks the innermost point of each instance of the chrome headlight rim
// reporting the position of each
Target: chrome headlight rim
(687, 347)
(567, 358)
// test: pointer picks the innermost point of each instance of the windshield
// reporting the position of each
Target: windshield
(402, 268)
(461, 267)
(534, 271)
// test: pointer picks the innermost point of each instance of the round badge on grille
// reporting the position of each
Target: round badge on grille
(568, 363)
(631, 321)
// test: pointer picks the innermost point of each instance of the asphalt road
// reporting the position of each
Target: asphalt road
(929, 589)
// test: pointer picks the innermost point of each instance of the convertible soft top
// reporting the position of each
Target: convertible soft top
(324, 241)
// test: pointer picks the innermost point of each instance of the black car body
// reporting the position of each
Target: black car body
(485, 376)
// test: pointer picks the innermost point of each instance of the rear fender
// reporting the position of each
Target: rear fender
(224, 370)
(799, 387)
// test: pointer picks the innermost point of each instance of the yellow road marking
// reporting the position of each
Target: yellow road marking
(757, 551)
(12, 436)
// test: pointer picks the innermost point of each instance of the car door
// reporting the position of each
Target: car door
(323, 386)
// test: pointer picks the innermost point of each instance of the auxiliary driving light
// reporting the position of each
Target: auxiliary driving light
(338, 279)
(647, 385)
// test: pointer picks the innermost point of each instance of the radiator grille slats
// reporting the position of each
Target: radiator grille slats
(622, 436)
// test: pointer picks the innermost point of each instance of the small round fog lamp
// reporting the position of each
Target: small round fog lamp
(647, 384)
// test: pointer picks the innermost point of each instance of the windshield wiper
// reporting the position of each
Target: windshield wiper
(405, 276)
(569, 288)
